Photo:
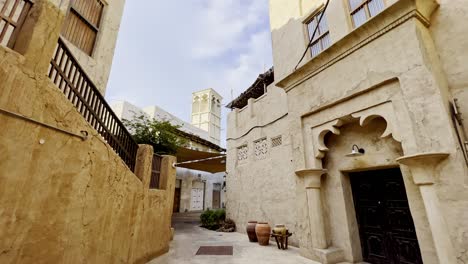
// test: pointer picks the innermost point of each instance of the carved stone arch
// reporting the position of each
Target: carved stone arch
(384, 111)
(365, 116)
(319, 133)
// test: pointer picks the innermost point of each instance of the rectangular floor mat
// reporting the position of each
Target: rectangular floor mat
(215, 250)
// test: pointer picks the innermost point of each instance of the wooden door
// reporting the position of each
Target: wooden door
(196, 202)
(216, 199)
(386, 226)
(176, 207)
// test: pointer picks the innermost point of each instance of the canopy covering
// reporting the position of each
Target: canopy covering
(201, 160)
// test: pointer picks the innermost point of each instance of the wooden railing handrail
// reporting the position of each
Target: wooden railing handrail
(65, 69)
(92, 83)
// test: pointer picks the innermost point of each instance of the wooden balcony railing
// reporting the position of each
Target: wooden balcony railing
(12, 16)
(71, 79)
(155, 172)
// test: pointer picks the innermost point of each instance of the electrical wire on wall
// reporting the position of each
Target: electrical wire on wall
(313, 34)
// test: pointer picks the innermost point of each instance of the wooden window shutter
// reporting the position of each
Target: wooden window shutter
(82, 23)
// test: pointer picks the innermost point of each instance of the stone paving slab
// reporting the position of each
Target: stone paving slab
(189, 237)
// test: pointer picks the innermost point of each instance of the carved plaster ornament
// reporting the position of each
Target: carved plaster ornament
(384, 111)
(318, 134)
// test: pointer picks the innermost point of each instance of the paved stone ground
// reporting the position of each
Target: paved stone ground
(189, 237)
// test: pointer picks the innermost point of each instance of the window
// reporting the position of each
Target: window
(321, 39)
(276, 141)
(261, 148)
(362, 10)
(242, 153)
(82, 24)
(12, 16)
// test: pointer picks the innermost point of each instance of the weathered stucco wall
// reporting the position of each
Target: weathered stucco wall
(62, 199)
(261, 187)
(396, 60)
(450, 39)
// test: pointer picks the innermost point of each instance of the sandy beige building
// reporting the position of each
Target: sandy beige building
(74, 186)
(89, 29)
(385, 81)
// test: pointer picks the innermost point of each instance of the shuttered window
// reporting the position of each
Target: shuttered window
(321, 39)
(12, 16)
(82, 23)
(362, 10)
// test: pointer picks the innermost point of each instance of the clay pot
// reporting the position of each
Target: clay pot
(263, 230)
(279, 229)
(251, 231)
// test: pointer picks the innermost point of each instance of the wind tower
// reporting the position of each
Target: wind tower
(206, 113)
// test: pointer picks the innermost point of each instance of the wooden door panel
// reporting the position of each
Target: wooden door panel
(216, 199)
(386, 226)
(176, 207)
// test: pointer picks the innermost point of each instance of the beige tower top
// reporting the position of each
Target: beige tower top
(206, 113)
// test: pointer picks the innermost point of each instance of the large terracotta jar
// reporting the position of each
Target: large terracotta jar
(263, 229)
(251, 231)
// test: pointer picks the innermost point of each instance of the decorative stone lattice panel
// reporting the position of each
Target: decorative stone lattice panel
(261, 148)
(276, 141)
(242, 153)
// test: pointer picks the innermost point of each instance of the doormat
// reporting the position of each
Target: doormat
(191, 222)
(215, 250)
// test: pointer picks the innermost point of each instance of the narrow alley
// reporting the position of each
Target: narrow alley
(189, 237)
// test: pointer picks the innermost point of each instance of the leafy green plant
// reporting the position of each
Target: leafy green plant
(220, 215)
(213, 219)
(162, 135)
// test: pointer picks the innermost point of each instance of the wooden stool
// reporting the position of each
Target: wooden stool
(282, 240)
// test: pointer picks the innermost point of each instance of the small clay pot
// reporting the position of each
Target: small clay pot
(263, 230)
(251, 231)
(279, 229)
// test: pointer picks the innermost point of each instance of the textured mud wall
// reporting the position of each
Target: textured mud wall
(62, 199)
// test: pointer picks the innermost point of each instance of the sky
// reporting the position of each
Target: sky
(168, 49)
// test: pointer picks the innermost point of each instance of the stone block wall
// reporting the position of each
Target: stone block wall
(64, 199)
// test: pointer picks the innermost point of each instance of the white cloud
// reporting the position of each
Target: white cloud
(251, 63)
(169, 49)
(225, 24)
